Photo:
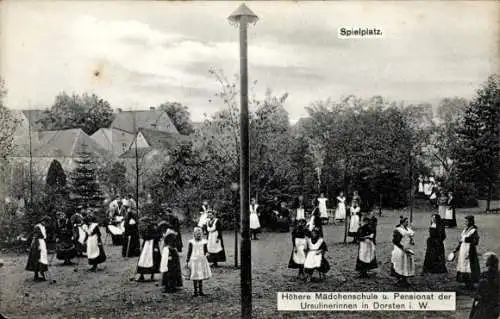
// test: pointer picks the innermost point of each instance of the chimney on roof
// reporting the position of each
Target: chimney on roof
(152, 108)
(119, 110)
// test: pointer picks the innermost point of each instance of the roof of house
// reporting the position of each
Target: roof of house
(67, 143)
(124, 120)
(34, 116)
(156, 140)
(106, 132)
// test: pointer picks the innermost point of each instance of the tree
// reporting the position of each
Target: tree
(8, 125)
(88, 112)
(113, 175)
(85, 191)
(180, 115)
(478, 154)
(442, 137)
(56, 191)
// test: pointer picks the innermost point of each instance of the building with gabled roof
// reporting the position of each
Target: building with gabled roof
(131, 121)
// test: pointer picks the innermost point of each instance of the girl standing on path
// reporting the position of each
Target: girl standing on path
(315, 258)
(340, 212)
(299, 245)
(37, 260)
(366, 253)
(95, 249)
(170, 265)
(403, 260)
(197, 261)
(215, 245)
(435, 262)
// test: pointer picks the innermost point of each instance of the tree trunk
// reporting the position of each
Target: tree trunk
(488, 200)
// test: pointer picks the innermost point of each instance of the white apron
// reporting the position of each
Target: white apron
(404, 264)
(420, 187)
(322, 207)
(313, 258)
(146, 258)
(354, 222)
(448, 214)
(366, 250)
(82, 229)
(203, 219)
(299, 257)
(340, 212)
(43, 246)
(92, 242)
(300, 214)
(254, 218)
(427, 189)
(463, 262)
(214, 245)
(310, 224)
(164, 260)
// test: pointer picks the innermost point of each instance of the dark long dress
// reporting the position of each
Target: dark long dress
(150, 235)
(299, 232)
(283, 221)
(363, 231)
(175, 224)
(34, 263)
(486, 304)
(65, 248)
(172, 279)
(131, 244)
(435, 262)
(220, 256)
(473, 276)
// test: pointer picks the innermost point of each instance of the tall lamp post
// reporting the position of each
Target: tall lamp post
(241, 18)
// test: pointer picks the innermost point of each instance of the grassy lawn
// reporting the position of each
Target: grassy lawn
(110, 293)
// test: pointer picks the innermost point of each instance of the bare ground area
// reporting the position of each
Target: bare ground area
(110, 294)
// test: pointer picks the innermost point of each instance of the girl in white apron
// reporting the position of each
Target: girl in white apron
(197, 262)
(37, 260)
(202, 222)
(170, 265)
(354, 221)
(403, 260)
(366, 253)
(299, 245)
(254, 219)
(340, 212)
(468, 270)
(95, 249)
(150, 257)
(315, 259)
(449, 218)
(215, 245)
(322, 207)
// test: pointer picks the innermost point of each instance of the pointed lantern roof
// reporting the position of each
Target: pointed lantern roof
(243, 11)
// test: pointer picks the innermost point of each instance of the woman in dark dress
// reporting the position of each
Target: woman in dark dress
(450, 219)
(434, 262)
(150, 257)
(65, 246)
(95, 248)
(215, 245)
(366, 252)
(131, 244)
(172, 275)
(468, 270)
(486, 304)
(37, 260)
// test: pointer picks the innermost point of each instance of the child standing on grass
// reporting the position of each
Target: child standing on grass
(315, 258)
(197, 261)
(170, 265)
(299, 244)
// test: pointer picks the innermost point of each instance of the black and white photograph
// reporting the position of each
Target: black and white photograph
(258, 159)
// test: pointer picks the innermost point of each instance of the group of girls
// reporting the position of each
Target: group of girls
(403, 260)
(88, 238)
(340, 211)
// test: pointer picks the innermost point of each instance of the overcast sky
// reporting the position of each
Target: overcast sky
(151, 52)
